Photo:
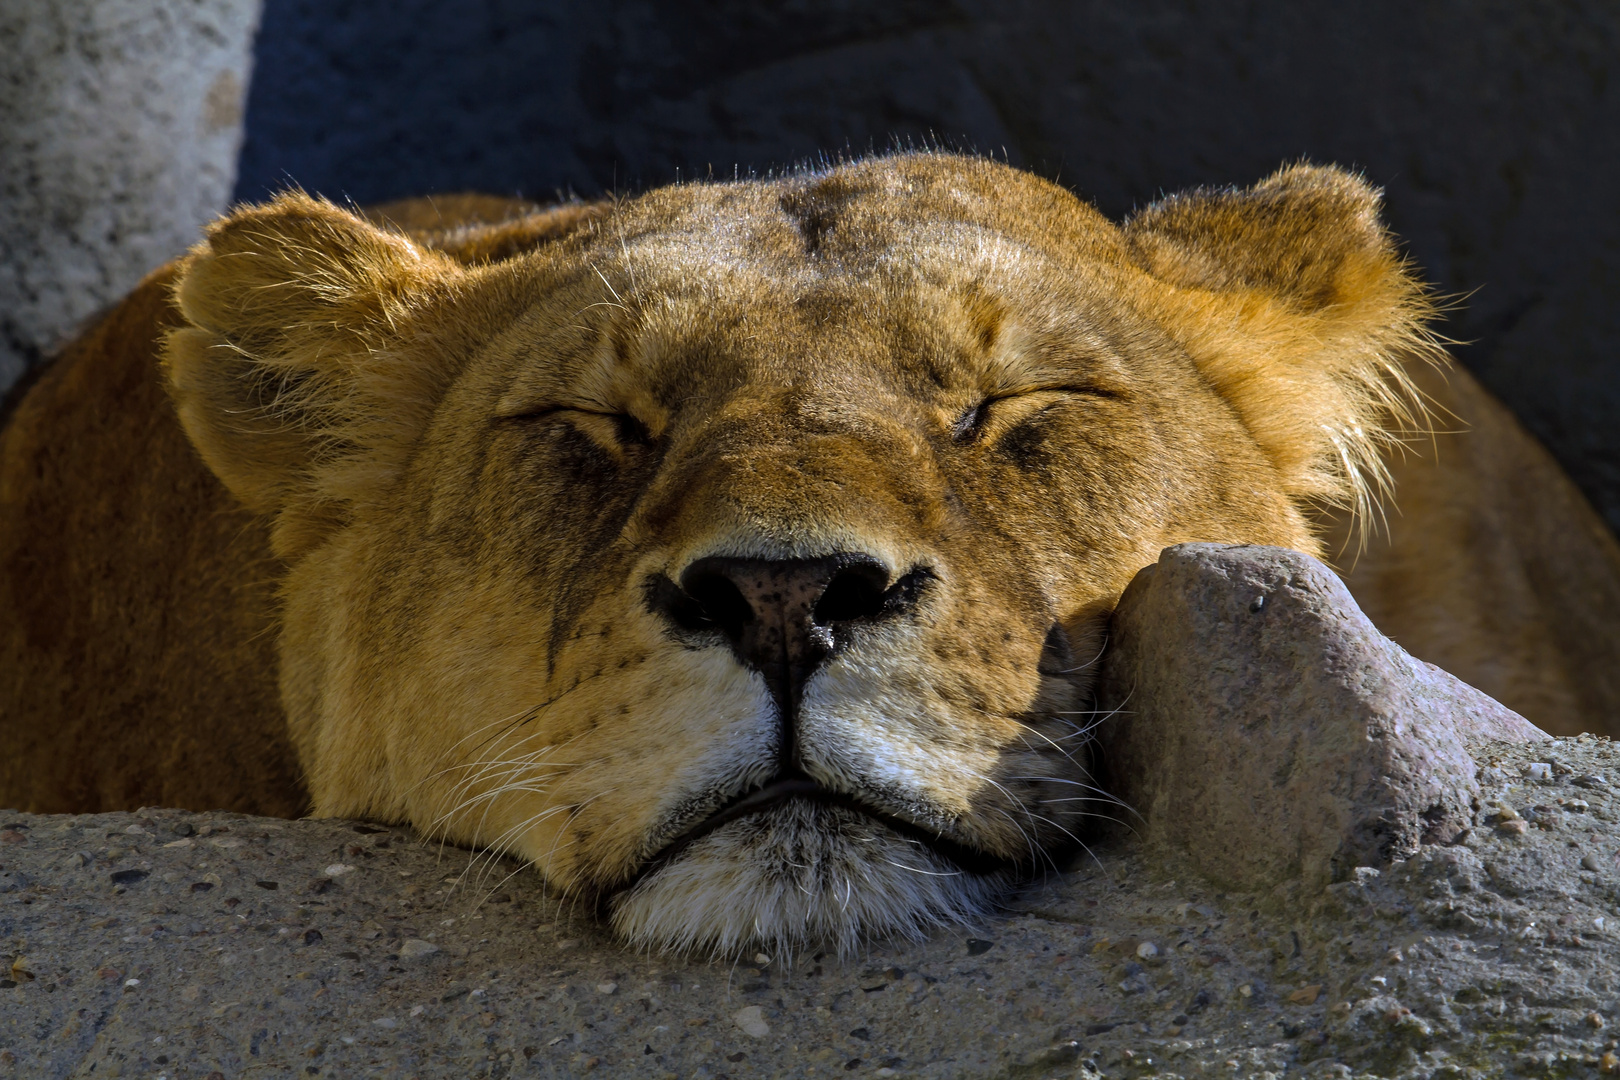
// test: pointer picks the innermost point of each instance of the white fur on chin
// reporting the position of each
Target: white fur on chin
(802, 875)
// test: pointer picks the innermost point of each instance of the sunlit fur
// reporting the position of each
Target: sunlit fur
(474, 465)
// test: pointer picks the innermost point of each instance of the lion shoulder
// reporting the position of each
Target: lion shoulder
(1491, 564)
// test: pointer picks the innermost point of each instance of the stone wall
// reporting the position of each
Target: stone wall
(1490, 124)
(120, 123)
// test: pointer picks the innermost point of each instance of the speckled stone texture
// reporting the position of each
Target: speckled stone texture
(120, 123)
(183, 945)
(1262, 726)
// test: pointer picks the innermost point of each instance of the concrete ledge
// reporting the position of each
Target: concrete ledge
(170, 944)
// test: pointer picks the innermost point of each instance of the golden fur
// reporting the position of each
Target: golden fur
(1491, 564)
(536, 488)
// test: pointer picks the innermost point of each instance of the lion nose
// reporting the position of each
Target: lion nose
(782, 617)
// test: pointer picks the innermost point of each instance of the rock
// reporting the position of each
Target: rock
(1267, 732)
(120, 130)
(411, 949)
(752, 1021)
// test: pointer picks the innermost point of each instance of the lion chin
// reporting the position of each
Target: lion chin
(797, 877)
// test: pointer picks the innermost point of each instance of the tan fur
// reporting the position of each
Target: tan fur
(137, 597)
(479, 445)
(1491, 564)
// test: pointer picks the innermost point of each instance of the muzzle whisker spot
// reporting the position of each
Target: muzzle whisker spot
(501, 845)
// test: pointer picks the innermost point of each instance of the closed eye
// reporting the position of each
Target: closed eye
(631, 431)
(969, 424)
(996, 414)
(624, 428)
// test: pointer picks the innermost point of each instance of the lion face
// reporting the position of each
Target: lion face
(743, 559)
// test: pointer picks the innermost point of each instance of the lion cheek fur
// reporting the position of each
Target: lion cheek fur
(568, 764)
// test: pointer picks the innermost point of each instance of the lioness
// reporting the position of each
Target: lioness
(740, 554)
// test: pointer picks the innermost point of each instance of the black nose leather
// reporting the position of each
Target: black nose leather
(782, 618)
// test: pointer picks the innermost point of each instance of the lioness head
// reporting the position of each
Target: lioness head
(741, 557)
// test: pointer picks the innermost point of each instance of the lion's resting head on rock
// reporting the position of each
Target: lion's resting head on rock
(741, 557)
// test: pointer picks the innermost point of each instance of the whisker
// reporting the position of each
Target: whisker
(1102, 648)
(920, 870)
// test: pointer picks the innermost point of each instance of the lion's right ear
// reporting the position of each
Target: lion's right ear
(306, 370)
(1293, 301)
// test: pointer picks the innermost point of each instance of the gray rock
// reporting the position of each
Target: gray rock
(1266, 731)
(120, 122)
(417, 949)
(197, 968)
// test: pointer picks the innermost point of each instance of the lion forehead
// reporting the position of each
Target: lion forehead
(952, 306)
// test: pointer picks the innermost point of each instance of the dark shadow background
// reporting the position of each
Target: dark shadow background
(1492, 125)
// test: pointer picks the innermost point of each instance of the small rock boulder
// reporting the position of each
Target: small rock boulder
(417, 949)
(1263, 728)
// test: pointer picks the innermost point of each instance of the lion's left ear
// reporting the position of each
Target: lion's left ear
(1293, 301)
(308, 364)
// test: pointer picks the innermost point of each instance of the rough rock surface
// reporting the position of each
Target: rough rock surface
(1264, 728)
(170, 944)
(120, 122)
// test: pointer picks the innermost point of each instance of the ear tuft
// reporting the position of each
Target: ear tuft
(1307, 234)
(1293, 301)
(296, 378)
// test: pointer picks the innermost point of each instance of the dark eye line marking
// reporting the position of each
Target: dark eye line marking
(631, 430)
(628, 428)
(971, 423)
